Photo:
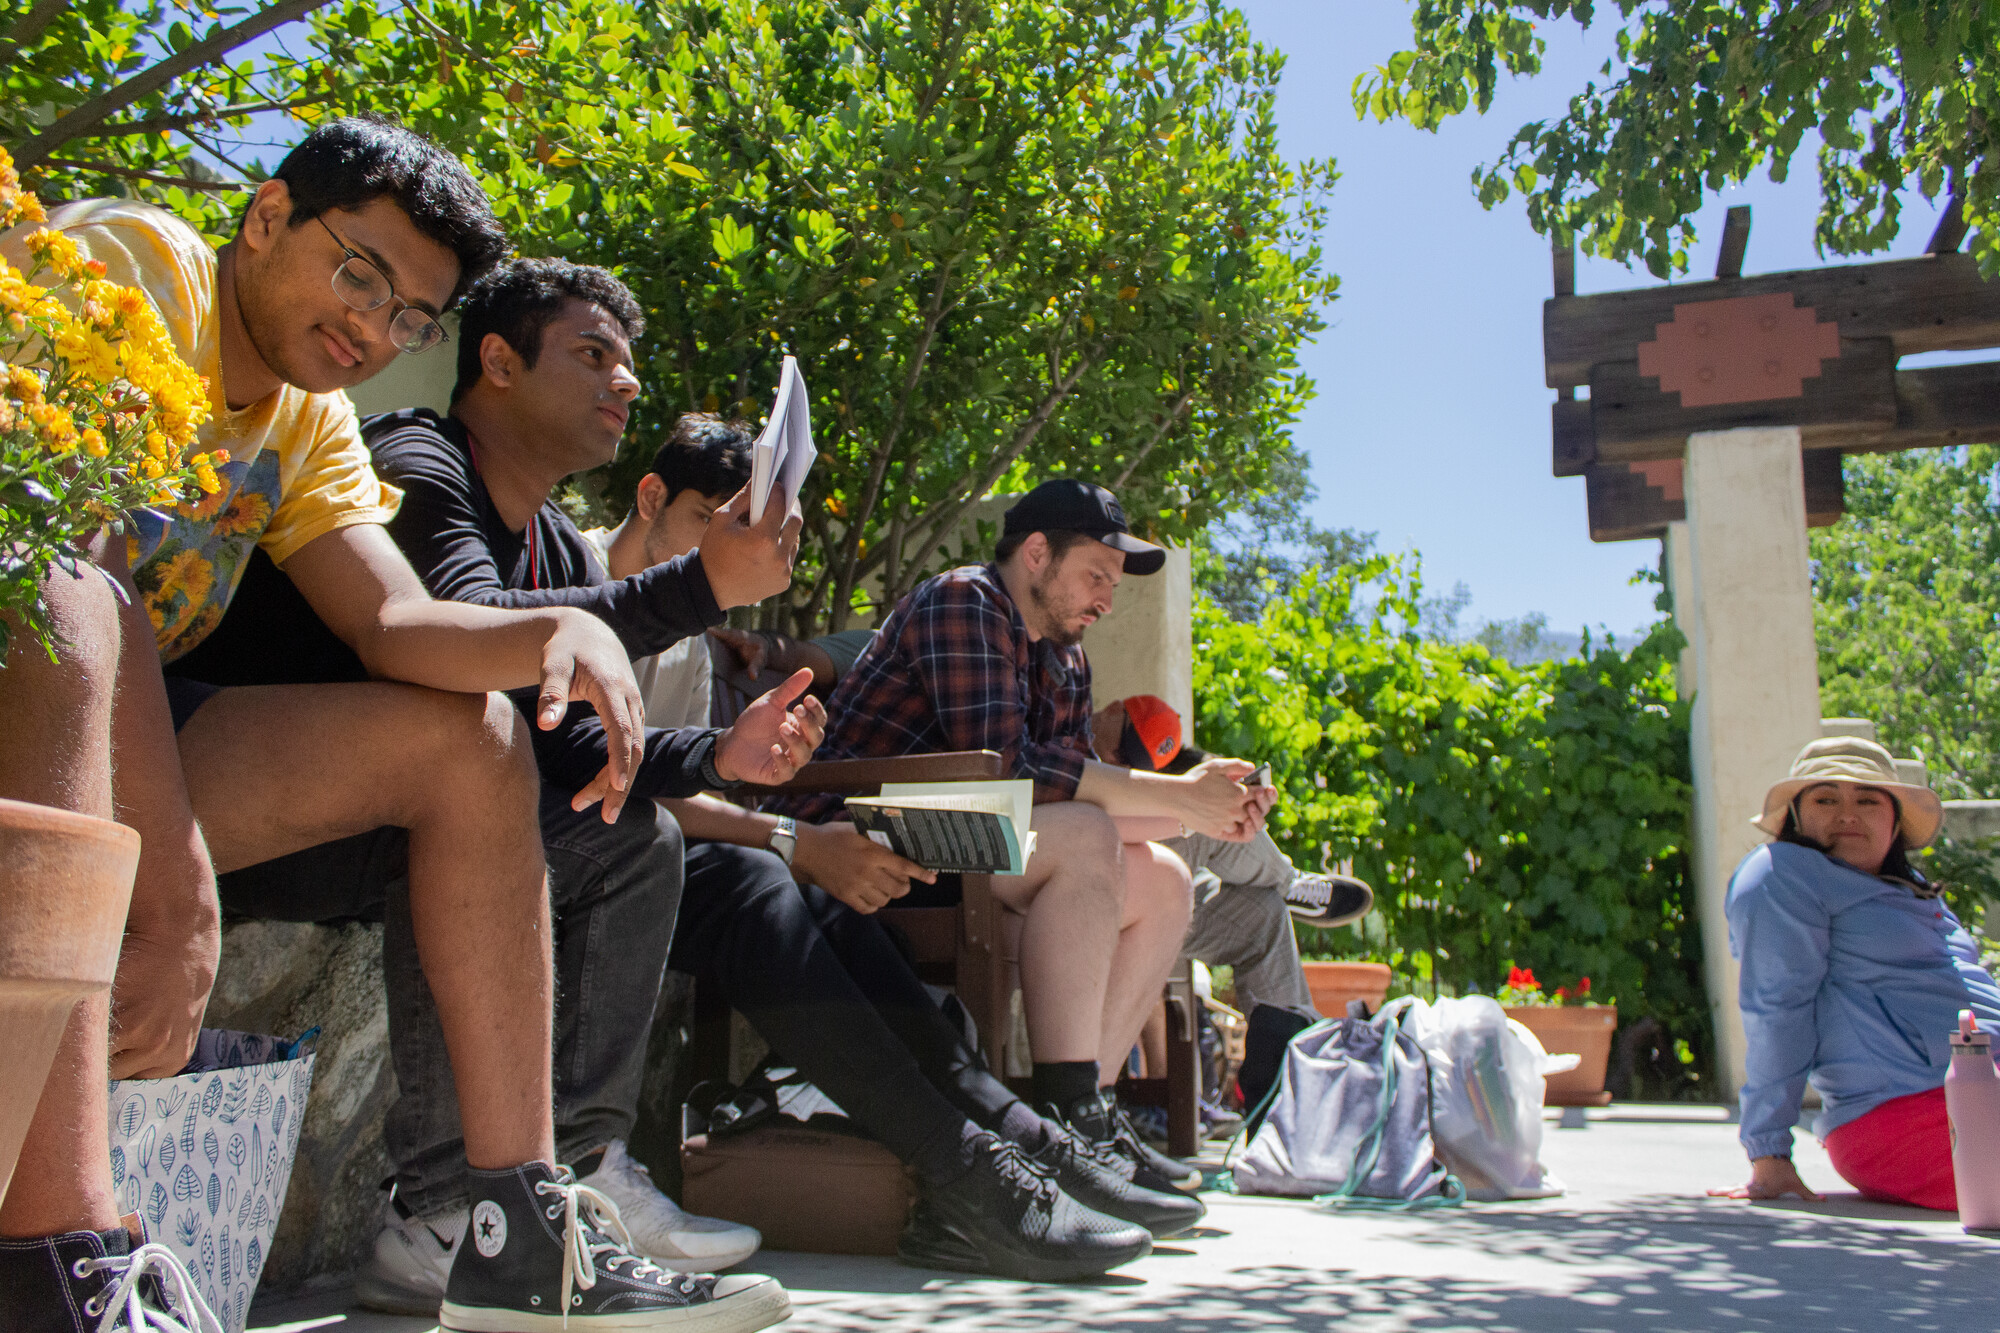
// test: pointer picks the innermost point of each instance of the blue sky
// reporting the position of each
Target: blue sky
(1432, 422)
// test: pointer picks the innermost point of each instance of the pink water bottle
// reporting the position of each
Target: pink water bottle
(1972, 1101)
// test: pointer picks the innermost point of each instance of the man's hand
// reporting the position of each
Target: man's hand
(165, 969)
(767, 650)
(1770, 1178)
(584, 660)
(746, 564)
(1215, 801)
(853, 868)
(752, 649)
(772, 738)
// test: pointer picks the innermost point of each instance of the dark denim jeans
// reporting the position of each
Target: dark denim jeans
(615, 890)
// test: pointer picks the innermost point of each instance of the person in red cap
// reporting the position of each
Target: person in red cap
(1245, 893)
(990, 657)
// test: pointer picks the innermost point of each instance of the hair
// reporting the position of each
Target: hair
(1896, 865)
(706, 454)
(520, 298)
(356, 160)
(1060, 540)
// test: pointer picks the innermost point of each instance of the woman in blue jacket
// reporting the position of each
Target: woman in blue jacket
(1853, 973)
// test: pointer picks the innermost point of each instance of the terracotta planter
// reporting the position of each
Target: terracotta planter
(1334, 984)
(65, 883)
(1580, 1030)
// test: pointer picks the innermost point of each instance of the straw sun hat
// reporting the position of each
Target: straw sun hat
(1852, 759)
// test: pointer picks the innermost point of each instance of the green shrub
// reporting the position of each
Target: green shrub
(1532, 816)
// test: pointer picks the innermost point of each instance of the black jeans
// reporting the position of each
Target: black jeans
(613, 890)
(829, 990)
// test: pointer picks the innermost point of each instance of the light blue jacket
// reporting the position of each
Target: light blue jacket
(1849, 981)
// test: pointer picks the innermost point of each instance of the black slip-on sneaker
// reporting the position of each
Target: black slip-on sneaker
(1329, 900)
(543, 1253)
(1102, 1178)
(1101, 1120)
(1007, 1216)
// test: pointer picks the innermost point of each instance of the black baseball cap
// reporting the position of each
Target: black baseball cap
(1066, 505)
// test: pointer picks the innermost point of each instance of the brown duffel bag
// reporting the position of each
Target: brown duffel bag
(802, 1188)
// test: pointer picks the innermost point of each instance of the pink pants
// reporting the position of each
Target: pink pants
(1900, 1152)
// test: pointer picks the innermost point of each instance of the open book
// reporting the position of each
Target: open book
(973, 827)
(783, 453)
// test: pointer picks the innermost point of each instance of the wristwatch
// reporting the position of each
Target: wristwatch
(785, 838)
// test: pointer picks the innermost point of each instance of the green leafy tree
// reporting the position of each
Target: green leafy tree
(1703, 92)
(1906, 591)
(98, 97)
(1906, 599)
(1005, 241)
(1531, 816)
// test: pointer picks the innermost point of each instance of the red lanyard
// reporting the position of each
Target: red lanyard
(534, 575)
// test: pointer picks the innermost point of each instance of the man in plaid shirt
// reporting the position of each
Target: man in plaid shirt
(990, 657)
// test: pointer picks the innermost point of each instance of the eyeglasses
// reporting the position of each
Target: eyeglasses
(361, 286)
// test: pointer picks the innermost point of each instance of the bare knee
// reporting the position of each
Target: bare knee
(1158, 887)
(474, 746)
(59, 712)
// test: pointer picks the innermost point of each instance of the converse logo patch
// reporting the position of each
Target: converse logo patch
(489, 1228)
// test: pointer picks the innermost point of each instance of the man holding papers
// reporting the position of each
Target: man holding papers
(990, 657)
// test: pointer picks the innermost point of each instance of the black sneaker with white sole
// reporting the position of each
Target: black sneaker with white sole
(1101, 1178)
(1329, 900)
(96, 1282)
(543, 1253)
(1101, 1120)
(1007, 1216)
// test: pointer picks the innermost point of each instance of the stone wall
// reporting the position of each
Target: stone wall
(284, 978)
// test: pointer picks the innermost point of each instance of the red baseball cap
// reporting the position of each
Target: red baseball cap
(1152, 732)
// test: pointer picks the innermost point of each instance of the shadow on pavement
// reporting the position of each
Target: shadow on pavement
(1665, 1265)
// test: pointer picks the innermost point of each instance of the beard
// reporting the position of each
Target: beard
(1061, 620)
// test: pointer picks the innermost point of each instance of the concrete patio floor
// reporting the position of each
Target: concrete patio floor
(1632, 1246)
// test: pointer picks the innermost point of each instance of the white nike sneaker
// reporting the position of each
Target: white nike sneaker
(660, 1230)
(412, 1258)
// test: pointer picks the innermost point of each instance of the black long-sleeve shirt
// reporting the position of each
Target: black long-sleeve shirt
(464, 551)
(456, 540)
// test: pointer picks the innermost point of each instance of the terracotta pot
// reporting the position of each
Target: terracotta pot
(1334, 984)
(65, 884)
(1574, 1029)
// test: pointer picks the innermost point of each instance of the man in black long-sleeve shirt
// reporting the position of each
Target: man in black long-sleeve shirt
(544, 374)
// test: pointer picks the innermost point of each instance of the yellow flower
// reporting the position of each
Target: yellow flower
(24, 384)
(56, 250)
(248, 512)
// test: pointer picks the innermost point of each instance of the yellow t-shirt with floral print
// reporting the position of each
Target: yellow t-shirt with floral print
(297, 468)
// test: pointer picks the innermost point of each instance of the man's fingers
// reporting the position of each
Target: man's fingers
(558, 672)
(599, 788)
(795, 685)
(737, 505)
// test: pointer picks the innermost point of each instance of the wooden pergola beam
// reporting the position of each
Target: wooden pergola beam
(1860, 405)
(1932, 304)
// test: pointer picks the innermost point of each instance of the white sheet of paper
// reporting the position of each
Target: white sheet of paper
(783, 453)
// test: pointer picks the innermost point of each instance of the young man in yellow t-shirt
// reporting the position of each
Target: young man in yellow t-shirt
(343, 260)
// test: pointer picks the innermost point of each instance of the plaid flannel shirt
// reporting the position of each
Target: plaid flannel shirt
(954, 669)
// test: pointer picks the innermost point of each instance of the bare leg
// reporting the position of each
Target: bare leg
(1072, 902)
(57, 752)
(276, 769)
(1159, 898)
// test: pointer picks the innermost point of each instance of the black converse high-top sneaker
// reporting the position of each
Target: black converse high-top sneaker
(95, 1282)
(543, 1253)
